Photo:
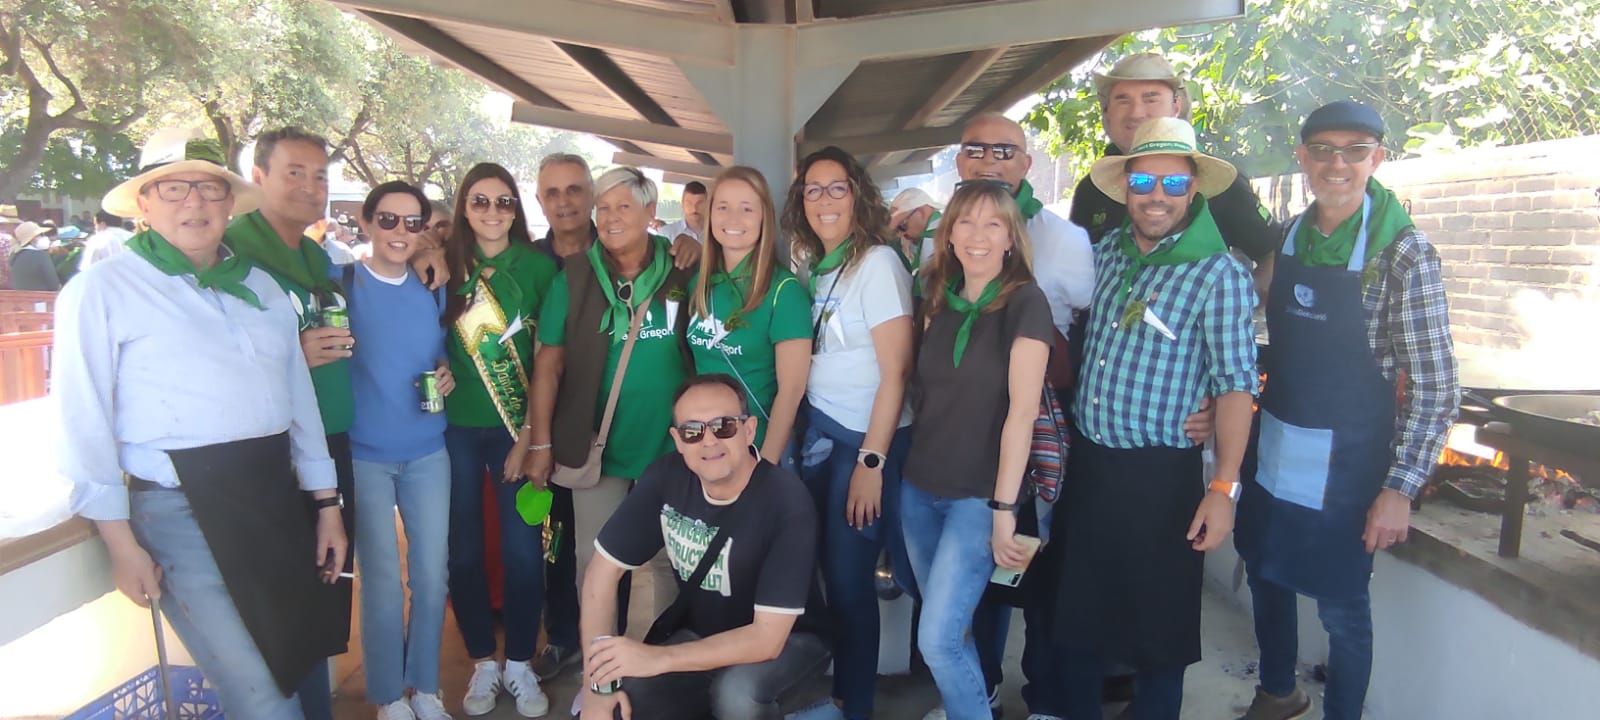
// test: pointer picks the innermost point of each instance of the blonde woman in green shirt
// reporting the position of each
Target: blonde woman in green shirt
(749, 317)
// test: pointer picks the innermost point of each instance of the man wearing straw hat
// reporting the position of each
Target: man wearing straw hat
(1169, 324)
(31, 266)
(191, 436)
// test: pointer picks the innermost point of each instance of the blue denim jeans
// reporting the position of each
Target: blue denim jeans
(849, 557)
(1349, 626)
(478, 455)
(197, 605)
(402, 653)
(947, 540)
(991, 624)
(1157, 693)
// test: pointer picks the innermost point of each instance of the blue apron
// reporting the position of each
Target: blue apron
(1322, 443)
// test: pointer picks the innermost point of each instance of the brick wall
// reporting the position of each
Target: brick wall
(1503, 219)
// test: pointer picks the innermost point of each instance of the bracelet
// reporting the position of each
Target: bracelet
(537, 448)
(1002, 507)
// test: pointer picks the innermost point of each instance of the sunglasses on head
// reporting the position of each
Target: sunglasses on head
(977, 150)
(1358, 152)
(693, 431)
(836, 190)
(388, 220)
(985, 182)
(1173, 185)
(481, 202)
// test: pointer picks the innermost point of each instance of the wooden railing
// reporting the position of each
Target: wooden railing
(27, 321)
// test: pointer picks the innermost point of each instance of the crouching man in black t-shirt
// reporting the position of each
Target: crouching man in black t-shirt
(746, 634)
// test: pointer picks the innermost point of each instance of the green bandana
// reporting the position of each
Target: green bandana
(828, 264)
(499, 263)
(952, 297)
(253, 237)
(1027, 203)
(616, 320)
(226, 275)
(1200, 240)
(1386, 219)
(914, 261)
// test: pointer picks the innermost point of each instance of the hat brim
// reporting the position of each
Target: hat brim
(1212, 177)
(1104, 81)
(123, 200)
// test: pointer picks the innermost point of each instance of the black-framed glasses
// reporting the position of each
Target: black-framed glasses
(176, 191)
(693, 431)
(504, 203)
(1172, 185)
(837, 190)
(1352, 154)
(388, 220)
(1000, 151)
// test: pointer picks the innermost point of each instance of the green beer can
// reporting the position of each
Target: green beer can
(432, 400)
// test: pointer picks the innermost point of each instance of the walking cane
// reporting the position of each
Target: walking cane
(161, 659)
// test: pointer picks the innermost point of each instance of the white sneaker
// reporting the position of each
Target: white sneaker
(429, 706)
(397, 710)
(483, 690)
(520, 681)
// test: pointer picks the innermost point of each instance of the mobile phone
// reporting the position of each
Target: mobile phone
(1012, 577)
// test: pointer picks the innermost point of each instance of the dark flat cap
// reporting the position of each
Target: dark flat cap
(1343, 115)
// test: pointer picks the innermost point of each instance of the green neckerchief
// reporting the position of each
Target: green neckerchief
(253, 237)
(828, 264)
(1199, 240)
(1385, 220)
(952, 297)
(617, 319)
(740, 274)
(914, 261)
(226, 275)
(499, 262)
(1026, 202)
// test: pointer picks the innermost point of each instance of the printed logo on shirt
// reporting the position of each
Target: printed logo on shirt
(710, 333)
(647, 331)
(686, 542)
(826, 315)
(1304, 295)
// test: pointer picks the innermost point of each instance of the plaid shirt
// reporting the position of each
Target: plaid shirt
(1408, 330)
(1136, 386)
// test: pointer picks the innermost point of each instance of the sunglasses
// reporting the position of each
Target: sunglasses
(985, 182)
(837, 190)
(977, 150)
(387, 221)
(504, 203)
(727, 426)
(1352, 154)
(176, 191)
(1173, 185)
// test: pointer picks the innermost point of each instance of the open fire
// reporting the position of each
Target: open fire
(1474, 476)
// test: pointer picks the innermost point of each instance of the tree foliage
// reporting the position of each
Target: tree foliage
(1445, 74)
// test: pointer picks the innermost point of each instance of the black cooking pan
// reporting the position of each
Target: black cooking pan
(1555, 420)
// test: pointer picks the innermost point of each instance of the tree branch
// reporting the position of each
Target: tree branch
(50, 62)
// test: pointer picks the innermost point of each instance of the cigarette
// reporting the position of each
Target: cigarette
(352, 576)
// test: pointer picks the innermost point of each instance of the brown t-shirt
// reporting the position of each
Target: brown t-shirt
(960, 411)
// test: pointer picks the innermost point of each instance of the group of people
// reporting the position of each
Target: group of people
(41, 256)
(758, 432)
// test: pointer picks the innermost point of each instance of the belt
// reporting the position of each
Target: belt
(142, 485)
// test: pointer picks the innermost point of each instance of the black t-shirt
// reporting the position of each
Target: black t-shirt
(767, 564)
(1244, 222)
(960, 411)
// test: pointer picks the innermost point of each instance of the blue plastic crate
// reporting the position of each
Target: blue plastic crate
(140, 698)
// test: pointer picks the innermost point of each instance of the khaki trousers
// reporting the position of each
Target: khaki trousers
(591, 509)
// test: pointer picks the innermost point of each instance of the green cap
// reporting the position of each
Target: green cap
(533, 503)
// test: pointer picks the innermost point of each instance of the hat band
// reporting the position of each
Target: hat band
(1164, 146)
(159, 165)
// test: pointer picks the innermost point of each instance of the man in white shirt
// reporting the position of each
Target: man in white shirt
(109, 238)
(694, 206)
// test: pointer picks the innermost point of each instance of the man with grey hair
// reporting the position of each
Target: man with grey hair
(566, 195)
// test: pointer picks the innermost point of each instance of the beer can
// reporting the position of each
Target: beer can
(609, 687)
(432, 400)
(335, 317)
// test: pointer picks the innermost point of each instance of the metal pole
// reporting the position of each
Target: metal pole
(161, 660)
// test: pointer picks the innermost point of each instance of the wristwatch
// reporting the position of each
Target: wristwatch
(336, 501)
(869, 459)
(1231, 489)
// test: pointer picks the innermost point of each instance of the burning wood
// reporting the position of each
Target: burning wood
(1474, 476)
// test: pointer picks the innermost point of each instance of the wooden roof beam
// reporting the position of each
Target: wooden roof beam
(635, 130)
(603, 70)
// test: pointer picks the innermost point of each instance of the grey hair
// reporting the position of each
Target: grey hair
(643, 188)
(562, 158)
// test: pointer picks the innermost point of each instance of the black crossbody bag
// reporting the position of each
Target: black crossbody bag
(672, 619)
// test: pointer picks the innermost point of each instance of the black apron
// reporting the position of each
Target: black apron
(1129, 581)
(262, 532)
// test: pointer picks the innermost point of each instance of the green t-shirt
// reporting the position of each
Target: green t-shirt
(644, 407)
(335, 395)
(744, 346)
(521, 285)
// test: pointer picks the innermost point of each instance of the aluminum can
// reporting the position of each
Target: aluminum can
(336, 317)
(609, 687)
(432, 400)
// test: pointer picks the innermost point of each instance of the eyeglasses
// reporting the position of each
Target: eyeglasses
(1173, 185)
(176, 191)
(387, 221)
(1001, 151)
(504, 203)
(1352, 154)
(692, 432)
(837, 190)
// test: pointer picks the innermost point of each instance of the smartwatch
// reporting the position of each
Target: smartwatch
(1231, 489)
(869, 459)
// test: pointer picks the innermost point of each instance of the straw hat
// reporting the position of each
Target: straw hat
(1143, 66)
(9, 212)
(1162, 136)
(174, 151)
(28, 232)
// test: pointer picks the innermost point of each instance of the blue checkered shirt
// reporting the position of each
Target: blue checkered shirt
(1136, 386)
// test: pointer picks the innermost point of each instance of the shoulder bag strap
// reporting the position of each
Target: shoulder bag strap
(671, 619)
(622, 372)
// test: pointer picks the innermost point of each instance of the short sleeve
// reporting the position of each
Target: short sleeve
(1244, 222)
(553, 313)
(633, 534)
(791, 310)
(786, 573)
(885, 287)
(1028, 315)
